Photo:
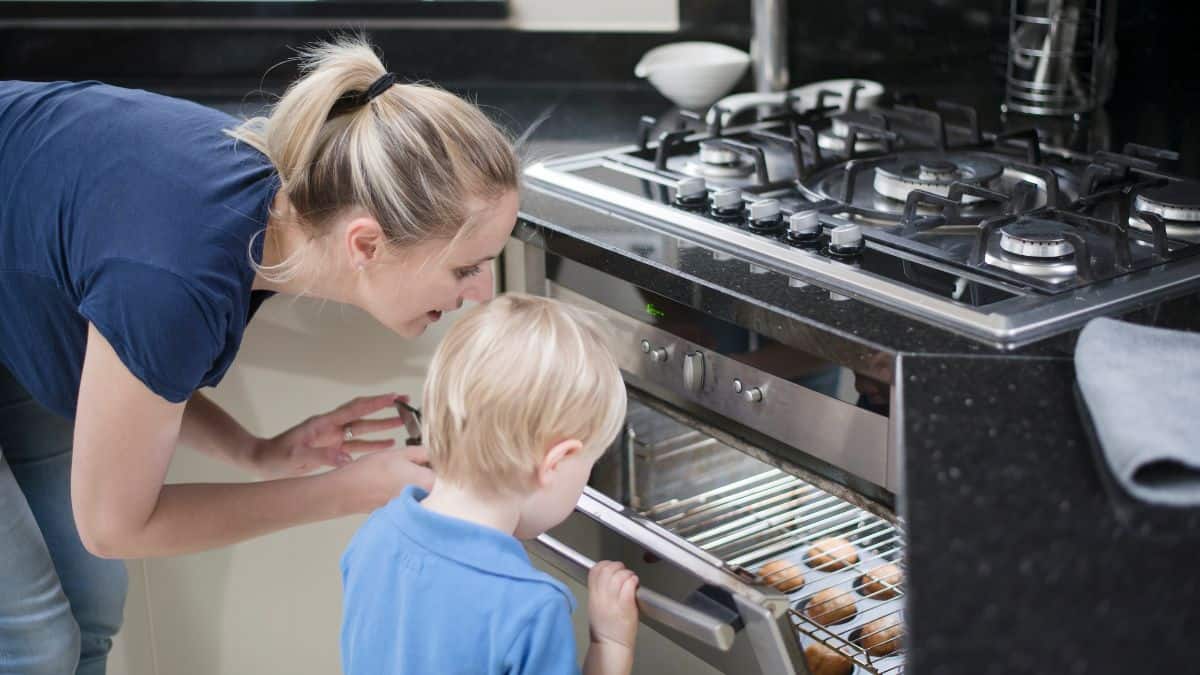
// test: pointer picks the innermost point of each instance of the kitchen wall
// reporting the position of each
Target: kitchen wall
(610, 15)
(272, 605)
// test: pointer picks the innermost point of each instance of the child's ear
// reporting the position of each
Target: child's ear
(554, 456)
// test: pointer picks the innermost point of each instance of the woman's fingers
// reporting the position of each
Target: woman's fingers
(417, 454)
(364, 427)
(361, 407)
(367, 446)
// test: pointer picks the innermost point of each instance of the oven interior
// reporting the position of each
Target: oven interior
(743, 514)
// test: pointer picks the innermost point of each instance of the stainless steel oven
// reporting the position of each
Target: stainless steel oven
(740, 454)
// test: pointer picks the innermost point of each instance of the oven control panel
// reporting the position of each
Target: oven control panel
(851, 438)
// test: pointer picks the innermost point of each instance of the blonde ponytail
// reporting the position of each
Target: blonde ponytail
(415, 157)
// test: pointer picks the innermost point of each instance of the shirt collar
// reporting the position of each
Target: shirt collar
(482, 548)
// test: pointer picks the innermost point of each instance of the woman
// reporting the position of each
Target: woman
(138, 234)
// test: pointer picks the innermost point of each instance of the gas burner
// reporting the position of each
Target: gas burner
(934, 172)
(1034, 247)
(1177, 203)
(834, 138)
(1035, 238)
(714, 161)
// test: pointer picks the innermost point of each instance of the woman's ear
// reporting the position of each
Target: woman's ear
(364, 241)
(558, 452)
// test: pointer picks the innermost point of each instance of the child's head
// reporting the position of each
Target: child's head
(522, 398)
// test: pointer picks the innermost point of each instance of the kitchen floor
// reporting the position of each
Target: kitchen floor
(274, 604)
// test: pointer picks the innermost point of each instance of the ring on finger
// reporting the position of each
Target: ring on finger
(348, 432)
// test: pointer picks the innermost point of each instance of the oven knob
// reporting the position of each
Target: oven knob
(753, 394)
(645, 346)
(804, 228)
(658, 355)
(846, 240)
(691, 193)
(693, 372)
(737, 386)
(765, 216)
(727, 204)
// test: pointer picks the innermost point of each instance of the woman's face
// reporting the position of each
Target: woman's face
(410, 289)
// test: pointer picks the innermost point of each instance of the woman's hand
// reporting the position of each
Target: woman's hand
(323, 440)
(373, 480)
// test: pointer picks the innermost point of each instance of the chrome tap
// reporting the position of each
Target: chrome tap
(768, 45)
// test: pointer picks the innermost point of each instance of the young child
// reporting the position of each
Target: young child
(520, 401)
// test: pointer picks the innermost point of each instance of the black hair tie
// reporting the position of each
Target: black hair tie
(354, 100)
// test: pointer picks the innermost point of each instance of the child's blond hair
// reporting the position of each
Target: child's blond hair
(512, 377)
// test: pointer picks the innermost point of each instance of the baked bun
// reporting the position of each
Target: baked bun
(782, 574)
(830, 606)
(831, 554)
(881, 636)
(825, 661)
(882, 582)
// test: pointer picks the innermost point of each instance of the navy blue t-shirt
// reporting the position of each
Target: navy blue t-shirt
(134, 212)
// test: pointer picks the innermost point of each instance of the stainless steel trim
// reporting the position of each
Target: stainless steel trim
(1007, 324)
(652, 605)
(851, 438)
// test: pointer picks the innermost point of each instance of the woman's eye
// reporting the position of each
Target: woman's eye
(465, 272)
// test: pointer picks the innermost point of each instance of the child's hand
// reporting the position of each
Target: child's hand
(612, 611)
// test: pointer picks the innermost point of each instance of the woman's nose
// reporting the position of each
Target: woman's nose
(481, 287)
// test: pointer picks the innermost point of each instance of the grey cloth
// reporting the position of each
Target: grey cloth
(1141, 387)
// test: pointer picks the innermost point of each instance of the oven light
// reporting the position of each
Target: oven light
(654, 311)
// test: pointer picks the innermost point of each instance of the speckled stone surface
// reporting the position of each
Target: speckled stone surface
(1020, 560)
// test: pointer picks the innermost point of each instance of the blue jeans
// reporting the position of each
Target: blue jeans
(60, 606)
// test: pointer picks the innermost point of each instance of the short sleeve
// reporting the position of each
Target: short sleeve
(164, 331)
(545, 644)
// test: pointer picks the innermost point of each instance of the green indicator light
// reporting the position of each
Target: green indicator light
(654, 311)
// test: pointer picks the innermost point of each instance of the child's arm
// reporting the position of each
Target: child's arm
(613, 618)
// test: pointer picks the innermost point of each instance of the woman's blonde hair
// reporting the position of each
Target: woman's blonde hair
(414, 157)
(511, 378)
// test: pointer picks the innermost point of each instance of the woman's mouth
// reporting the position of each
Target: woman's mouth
(433, 315)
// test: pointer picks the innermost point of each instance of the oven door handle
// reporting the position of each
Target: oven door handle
(687, 620)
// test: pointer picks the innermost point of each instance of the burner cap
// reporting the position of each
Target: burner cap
(711, 153)
(714, 161)
(934, 172)
(1036, 238)
(937, 170)
(834, 137)
(1177, 200)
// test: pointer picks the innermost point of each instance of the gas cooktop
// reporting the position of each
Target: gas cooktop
(994, 236)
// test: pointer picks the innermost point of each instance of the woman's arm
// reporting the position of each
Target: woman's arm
(206, 427)
(124, 438)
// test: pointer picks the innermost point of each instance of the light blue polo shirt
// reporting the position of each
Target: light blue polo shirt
(426, 593)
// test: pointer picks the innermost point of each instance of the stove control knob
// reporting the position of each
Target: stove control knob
(645, 346)
(765, 217)
(659, 355)
(846, 240)
(737, 386)
(691, 192)
(764, 209)
(693, 372)
(727, 203)
(804, 223)
(753, 394)
(804, 228)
